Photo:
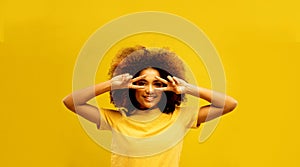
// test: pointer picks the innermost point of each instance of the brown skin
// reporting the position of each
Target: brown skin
(220, 104)
(148, 97)
(133, 59)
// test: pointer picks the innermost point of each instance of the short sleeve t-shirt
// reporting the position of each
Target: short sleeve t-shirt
(157, 142)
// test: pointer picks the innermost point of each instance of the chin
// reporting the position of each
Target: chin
(148, 106)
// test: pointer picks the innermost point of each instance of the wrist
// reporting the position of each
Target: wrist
(192, 90)
(103, 87)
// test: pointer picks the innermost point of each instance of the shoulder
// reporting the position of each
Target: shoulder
(109, 117)
(110, 112)
(188, 115)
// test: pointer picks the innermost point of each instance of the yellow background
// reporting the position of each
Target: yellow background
(258, 42)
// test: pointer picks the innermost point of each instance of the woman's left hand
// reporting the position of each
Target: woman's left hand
(176, 85)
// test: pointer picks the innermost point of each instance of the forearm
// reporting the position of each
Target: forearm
(216, 99)
(82, 96)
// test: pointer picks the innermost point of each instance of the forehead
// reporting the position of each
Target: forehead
(150, 73)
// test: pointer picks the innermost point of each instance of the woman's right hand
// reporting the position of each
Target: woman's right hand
(125, 81)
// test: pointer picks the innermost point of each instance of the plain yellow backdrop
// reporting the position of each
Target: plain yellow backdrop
(258, 43)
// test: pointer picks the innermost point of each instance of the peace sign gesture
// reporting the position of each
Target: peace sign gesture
(124, 81)
(176, 85)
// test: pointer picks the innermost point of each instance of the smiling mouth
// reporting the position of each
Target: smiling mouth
(149, 98)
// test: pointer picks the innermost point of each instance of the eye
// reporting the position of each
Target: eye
(158, 84)
(140, 83)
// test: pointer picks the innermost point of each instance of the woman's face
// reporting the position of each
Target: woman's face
(148, 97)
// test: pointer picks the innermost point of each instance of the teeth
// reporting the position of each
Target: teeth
(149, 98)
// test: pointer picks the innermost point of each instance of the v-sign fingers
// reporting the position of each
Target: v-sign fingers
(138, 78)
(131, 86)
(177, 80)
(162, 80)
(162, 89)
(171, 80)
(126, 77)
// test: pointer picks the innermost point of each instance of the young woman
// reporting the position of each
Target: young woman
(147, 86)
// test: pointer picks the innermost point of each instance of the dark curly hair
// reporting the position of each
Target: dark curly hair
(133, 60)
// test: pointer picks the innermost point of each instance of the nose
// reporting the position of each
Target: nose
(149, 89)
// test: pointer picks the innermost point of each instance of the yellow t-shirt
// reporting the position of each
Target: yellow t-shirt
(151, 143)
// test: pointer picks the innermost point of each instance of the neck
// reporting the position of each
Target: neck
(145, 115)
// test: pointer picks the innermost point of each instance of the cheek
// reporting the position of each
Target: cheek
(159, 94)
(138, 94)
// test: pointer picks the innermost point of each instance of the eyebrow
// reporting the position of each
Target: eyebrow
(156, 80)
(141, 80)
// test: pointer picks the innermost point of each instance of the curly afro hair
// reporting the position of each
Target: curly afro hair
(133, 60)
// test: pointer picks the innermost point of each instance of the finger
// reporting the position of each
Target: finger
(138, 78)
(171, 80)
(162, 80)
(124, 77)
(177, 80)
(161, 89)
(131, 86)
(127, 77)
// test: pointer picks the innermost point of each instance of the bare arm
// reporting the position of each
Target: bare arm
(77, 101)
(220, 103)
